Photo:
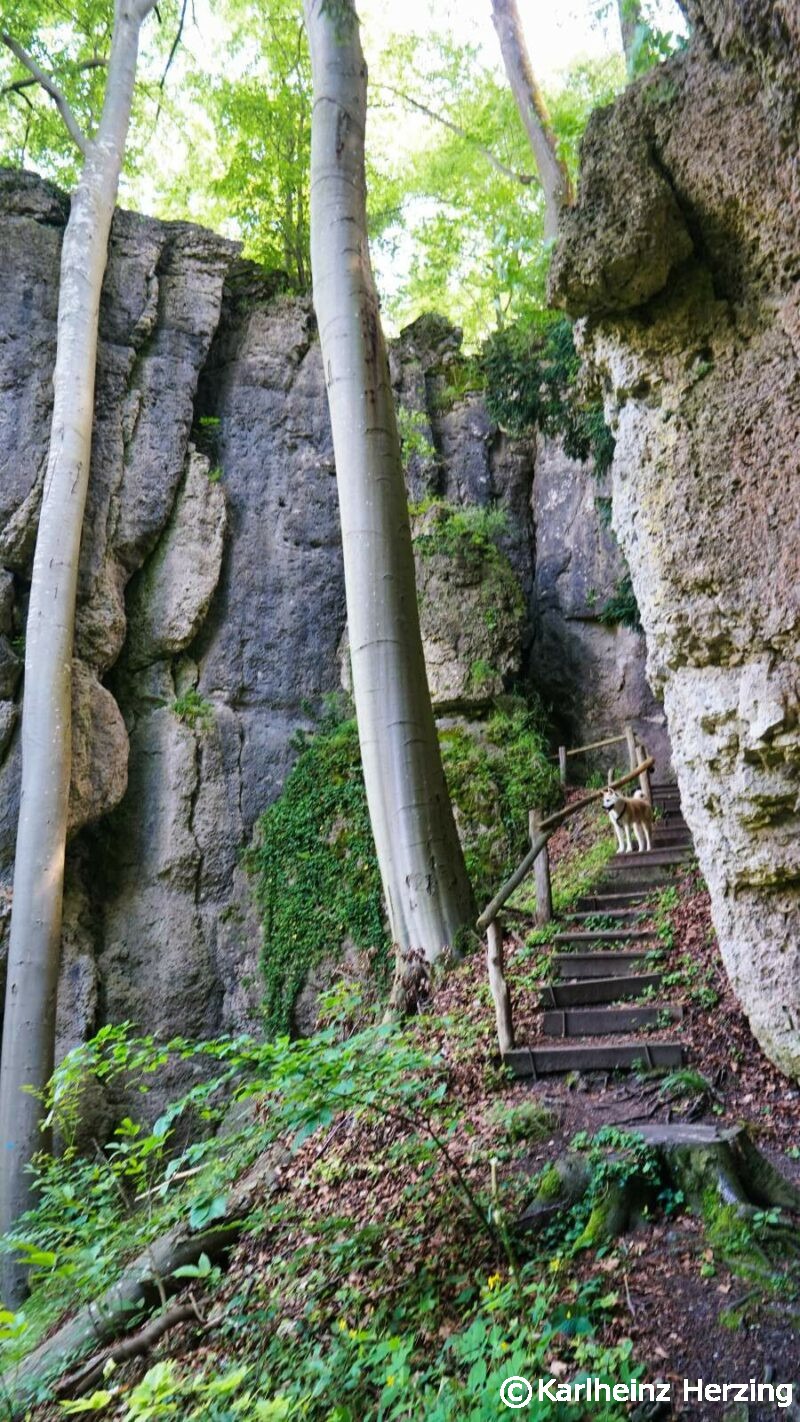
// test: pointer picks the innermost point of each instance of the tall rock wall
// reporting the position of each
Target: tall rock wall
(683, 253)
(211, 610)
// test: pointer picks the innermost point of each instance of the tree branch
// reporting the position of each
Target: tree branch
(50, 87)
(20, 84)
(78, 1383)
(524, 178)
(172, 53)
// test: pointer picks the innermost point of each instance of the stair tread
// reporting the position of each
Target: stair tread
(623, 915)
(601, 1056)
(597, 964)
(605, 1021)
(588, 991)
(604, 935)
(668, 854)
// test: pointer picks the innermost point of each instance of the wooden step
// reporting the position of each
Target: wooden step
(633, 875)
(647, 858)
(620, 917)
(605, 935)
(607, 1021)
(596, 990)
(605, 1056)
(596, 902)
(571, 966)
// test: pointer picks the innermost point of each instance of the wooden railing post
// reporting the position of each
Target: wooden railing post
(631, 739)
(499, 986)
(541, 871)
(644, 778)
(562, 764)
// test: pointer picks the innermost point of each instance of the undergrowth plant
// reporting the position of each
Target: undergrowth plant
(335, 1318)
(193, 709)
(531, 371)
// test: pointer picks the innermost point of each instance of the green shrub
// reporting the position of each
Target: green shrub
(471, 533)
(622, 609)
(531, 372)
(414, 441)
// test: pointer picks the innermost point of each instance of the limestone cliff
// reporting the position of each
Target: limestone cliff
(211, 610)
(683, 254)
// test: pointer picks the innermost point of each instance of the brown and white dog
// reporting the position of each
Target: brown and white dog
(628, 813)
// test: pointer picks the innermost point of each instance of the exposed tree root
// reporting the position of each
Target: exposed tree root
(85, 1378)
(720, 1172)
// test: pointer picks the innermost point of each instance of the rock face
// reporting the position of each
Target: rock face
(683, 253)
(211, 607)
(592, 673)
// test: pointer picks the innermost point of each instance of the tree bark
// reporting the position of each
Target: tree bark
(35, 942)
(428, 896)
(555, 179)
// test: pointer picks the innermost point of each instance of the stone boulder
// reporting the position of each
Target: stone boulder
(696, 345)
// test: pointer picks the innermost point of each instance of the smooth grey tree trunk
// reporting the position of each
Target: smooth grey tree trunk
(35, 941)
(428, 896)
(630, 18)
(553, 174)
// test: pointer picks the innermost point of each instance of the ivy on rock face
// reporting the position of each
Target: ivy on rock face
(317, 878)
(317, 882)
(531, 371)
(496, 772)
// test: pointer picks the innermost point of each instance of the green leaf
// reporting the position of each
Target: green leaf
(204, 1211)
(96, 1403)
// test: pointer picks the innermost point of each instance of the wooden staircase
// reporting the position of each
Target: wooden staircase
(610, 960)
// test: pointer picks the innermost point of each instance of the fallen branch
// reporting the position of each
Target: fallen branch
(78, 1383)
(137, 1289)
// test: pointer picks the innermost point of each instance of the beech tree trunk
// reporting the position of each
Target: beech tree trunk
(553, 174)
(428, 896)
(35, 941)
(630, 18)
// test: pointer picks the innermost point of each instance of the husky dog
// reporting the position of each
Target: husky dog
(626, 813)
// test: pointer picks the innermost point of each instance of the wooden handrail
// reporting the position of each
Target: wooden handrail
(597, 745)
(546, 828)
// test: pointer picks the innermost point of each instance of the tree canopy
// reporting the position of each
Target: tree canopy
(221, 135)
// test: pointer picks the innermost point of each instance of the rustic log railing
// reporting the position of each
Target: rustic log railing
(628, 737)
(541, 830)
